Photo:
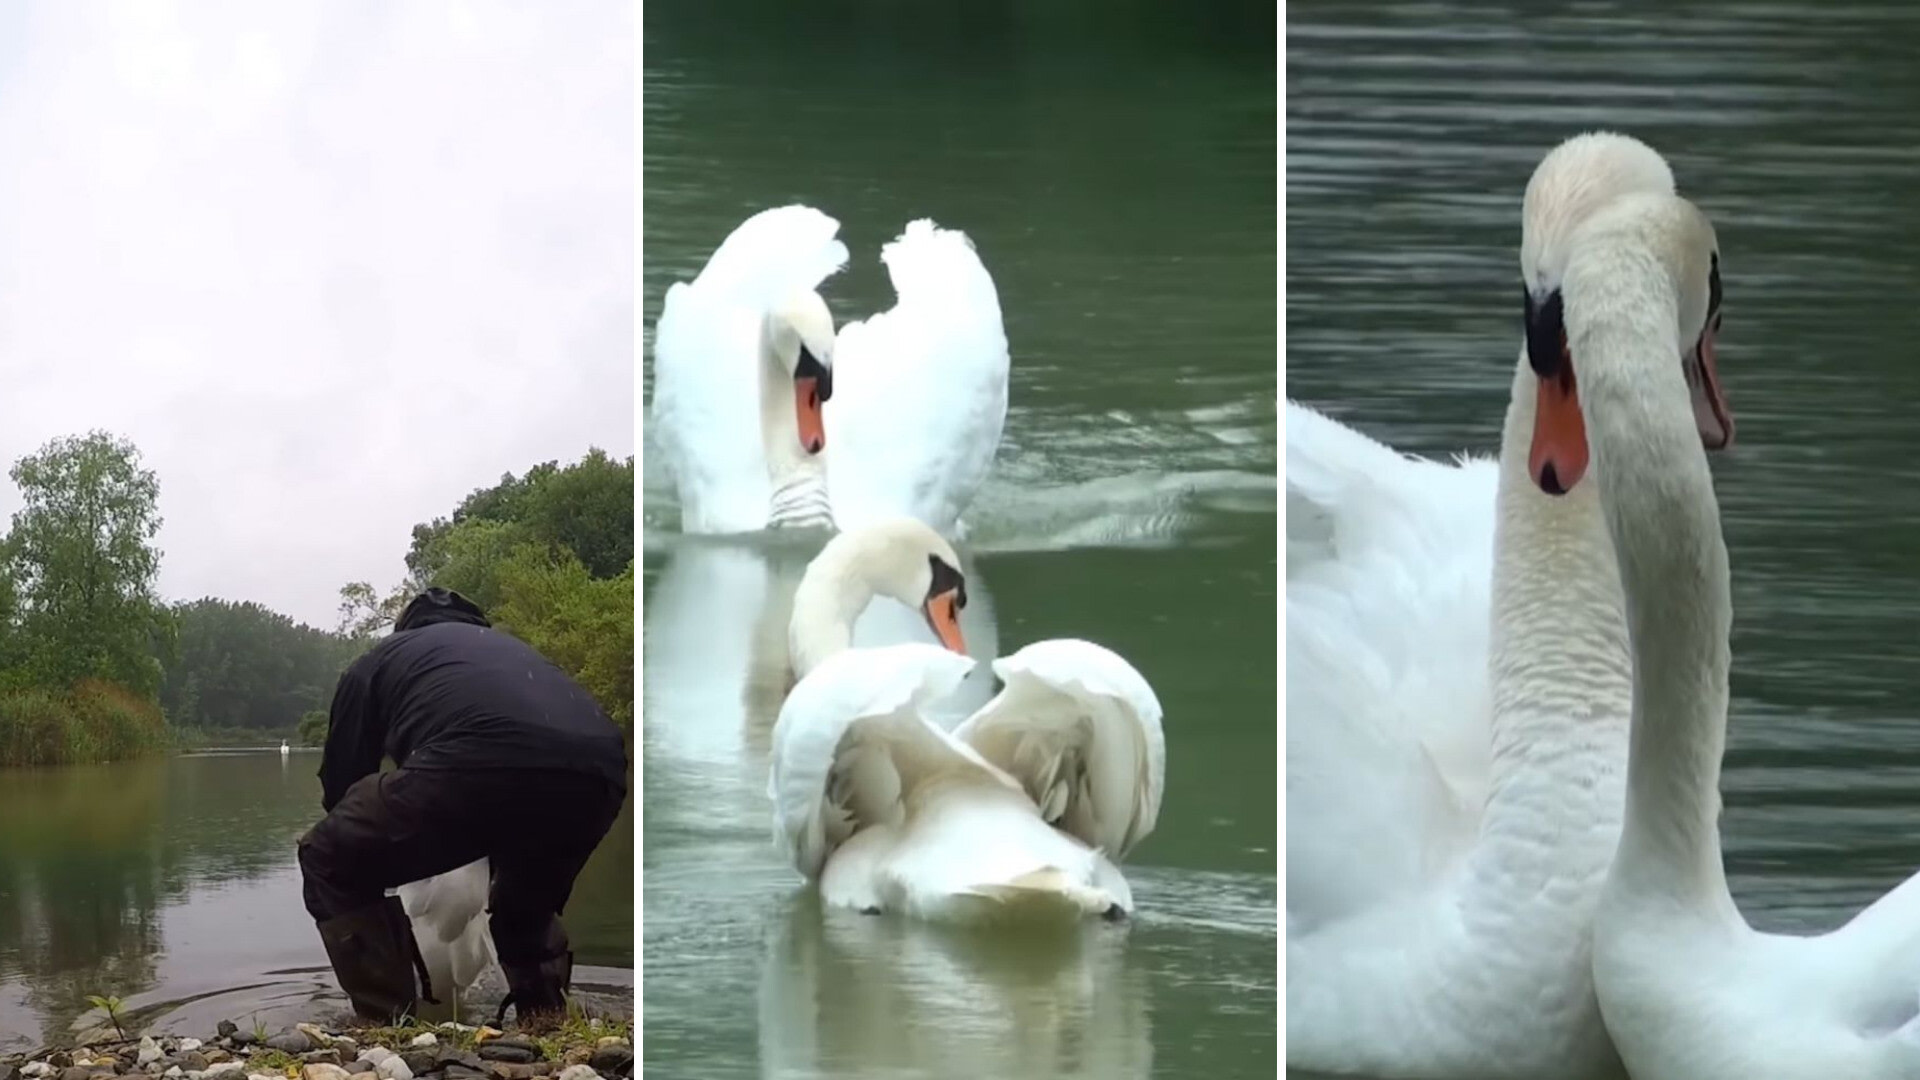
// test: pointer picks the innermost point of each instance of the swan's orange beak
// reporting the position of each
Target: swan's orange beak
(943, 615)
(1710, 410)
(806, 412)
(1558, 458)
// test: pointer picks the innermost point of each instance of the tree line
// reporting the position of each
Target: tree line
(95, 666)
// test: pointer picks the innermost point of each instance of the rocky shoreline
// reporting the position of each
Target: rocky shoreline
(576, 1049)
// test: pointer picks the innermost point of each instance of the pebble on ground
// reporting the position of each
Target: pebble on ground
(309, 1052)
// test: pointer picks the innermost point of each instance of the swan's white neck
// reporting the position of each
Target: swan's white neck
(798, 479)
(1659, 504)
(1560, 677)
(832, 594)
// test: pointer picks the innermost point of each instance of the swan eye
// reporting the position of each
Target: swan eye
(947, 579)
(1546, 327)
(810, 367)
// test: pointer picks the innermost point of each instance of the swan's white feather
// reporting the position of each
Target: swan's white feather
(1389, 745)
(850, 741)
(920, 391)
(705, 419)
(449, 916)
(889, 812)
(1079, 728)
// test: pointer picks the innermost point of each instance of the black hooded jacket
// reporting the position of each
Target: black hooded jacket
(448, 692)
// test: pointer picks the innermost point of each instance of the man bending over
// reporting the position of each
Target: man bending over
(500, 756)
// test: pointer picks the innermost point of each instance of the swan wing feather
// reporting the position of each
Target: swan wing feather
(920, 391)
(850, 745)
(1080, 730)
(1389, 741)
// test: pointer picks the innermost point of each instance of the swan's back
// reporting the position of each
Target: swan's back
(920, 391)
(1389, 579)
(705, 414)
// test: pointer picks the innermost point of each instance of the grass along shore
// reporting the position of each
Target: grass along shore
(94, 722)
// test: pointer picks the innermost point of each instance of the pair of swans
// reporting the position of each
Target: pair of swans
(883, 432)
(1017, 814)
(768, 418)
(1507, 699)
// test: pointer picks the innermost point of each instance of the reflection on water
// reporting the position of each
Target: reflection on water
(716, 641)
(841, 991)
(171, 883)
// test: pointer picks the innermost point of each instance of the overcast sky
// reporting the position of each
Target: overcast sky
(329, 265)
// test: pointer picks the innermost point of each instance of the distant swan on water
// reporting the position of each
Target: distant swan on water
(284, 748)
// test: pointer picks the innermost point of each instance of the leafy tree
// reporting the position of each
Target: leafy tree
(82, 565)
(313, 728)
(245, 666)
(549, 557)
(364, 613)
(585, 508)
(583, 624)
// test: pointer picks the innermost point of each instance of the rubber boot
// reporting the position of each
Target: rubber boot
(538, 979)
(373, 954)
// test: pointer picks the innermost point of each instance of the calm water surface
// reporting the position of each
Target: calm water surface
(1411, 131)
(1117, 176)
(171, 883)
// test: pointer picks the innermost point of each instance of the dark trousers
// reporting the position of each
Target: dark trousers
(535, 828)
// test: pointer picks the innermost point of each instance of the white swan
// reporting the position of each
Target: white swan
(1457, 701)
(284, 748)
(1689, 990)
(742, 369)
(1019, 812)
(899, 414)
(449, 915)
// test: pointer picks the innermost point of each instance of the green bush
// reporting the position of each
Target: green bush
(96, 721)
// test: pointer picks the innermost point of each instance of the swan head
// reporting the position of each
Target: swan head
(1686, 251)
(1574, 182)
(799, 332)
(907, 561)
(902, 559)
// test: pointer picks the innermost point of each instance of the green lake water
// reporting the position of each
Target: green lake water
(171, 883)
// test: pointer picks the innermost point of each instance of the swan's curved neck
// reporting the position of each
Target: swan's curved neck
(1658, 501)
(835, 590)
(798, 479)
(1560, 677)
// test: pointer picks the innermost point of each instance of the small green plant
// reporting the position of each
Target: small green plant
(259, 1029)
(111, 1006)
(272, 1061)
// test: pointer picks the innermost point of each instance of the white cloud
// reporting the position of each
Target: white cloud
(329, 265)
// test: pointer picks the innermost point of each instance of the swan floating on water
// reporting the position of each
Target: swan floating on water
(284, 748)
(766, 418)
(1690, 991)
(1018, 813)
(1458, 702)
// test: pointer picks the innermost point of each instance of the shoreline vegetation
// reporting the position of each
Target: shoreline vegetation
(95, 667)
(578, 1047)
